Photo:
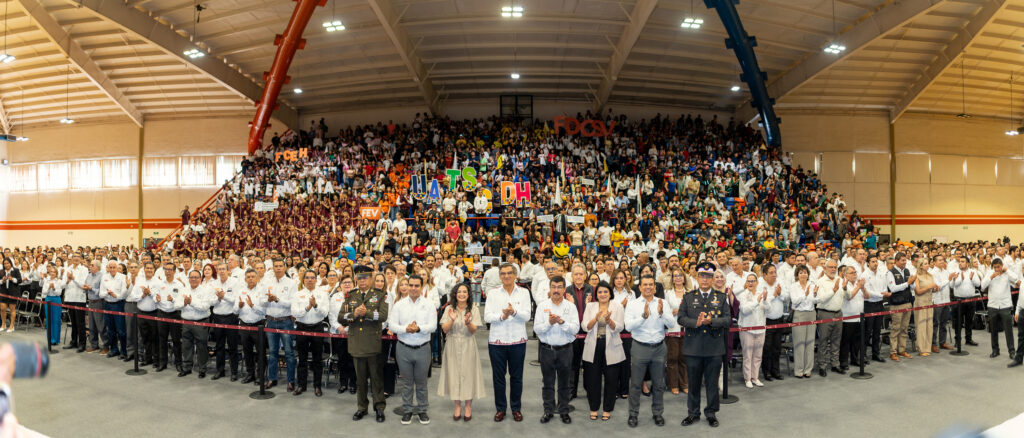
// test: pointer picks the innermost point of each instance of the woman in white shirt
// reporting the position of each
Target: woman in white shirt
(52, 288)
(622, 294)
(753, 303)
(676, 361)
(801, 294)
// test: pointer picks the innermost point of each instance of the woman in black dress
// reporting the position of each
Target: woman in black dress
(10, 280)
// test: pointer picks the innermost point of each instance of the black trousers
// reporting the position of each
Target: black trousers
(600, 380)
(873, 330)
(577, 363)
(167, 330)
(249, 340)
(772, 349)
(369, 373)
(1020, 337)
(346, 372)
(77, 325)
(625, 368)
(1001, 320)
(849, 344)
(703, 370)
(555, 365)
(227, 342)
(148, 334)
(963, 318)
(304, 345)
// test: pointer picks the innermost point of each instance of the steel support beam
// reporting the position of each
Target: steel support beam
(862, 34)
(287, 44)
(637, 20)
(142, 26)
(56, 33)
(389, 20)
(743, 45)
(945, 59)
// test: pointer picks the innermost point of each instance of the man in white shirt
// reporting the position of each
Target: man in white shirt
(74, 279)
(829, 302)
(853, 294)
(144, 297)
(647, 318)
(942, 277)
(113, 289)
(900, 282)
(196, 300)
(736, 278)
(277, 303)
(491, 278)
(413, 319)
(168, 305)
(1000, 304)
(507, 310)
(556, 323)
(225, 291)
(874, 285)
(250, 314)
(310, 305)
(964, 285)
(1018, 359)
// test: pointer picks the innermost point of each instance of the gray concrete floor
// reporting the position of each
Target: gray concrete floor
(86, 395)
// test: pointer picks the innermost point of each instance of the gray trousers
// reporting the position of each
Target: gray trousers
(803, 343)
(555, 366)
(129, 325)
(413, 365)
(193, 336)
(97, 326)
(647, 359)
(829, 336)
(940, 333)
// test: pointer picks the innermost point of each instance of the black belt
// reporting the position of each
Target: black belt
(255, 324)
(556, 348)
(654, 345)
(284, 318)
(95, 301)
(413, 347)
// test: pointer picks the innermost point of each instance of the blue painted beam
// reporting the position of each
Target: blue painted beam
(743, 45)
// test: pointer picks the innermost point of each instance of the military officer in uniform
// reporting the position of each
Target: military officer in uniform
(364, 314)
(704, 316)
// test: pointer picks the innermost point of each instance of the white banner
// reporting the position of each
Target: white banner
(587, 182)
(574, 219)
(475, 250)
(545, 219)
(265, 206)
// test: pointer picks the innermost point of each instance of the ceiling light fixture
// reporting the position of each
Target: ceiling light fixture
(194, 53)
(835, 47)
(67, 120)
(691, 21)
(298, 90)
(515, 75)
(735, 88)
(963, 89)
(1012, 131)
(512, 11)
(334, 24)
(6, 57)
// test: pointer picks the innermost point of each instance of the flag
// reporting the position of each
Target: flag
(558, 192)
(232, 228)
(639, 207)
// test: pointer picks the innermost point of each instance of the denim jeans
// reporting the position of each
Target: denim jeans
(53, 319)
(276, 341)
(117, 340)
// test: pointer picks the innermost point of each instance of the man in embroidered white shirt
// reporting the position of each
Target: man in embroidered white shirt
(507, 310)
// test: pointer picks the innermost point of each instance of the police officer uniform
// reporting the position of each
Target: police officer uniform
(704, 345)
(364, 343)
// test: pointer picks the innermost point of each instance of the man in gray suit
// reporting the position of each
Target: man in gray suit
(704, 316)
(97, 326)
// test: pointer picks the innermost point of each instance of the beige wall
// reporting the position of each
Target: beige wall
(959, 172)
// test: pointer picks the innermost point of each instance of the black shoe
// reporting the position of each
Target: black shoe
(713, 421)
(972, 343)
(407, 418)
(838, 370)
(124, 358)
(111, 354)
(217, 376)
(69, 347)
(1015, 363)
(632, 421)
(690, 419)
(161, 368)
(234, 377)
(572, 396)
(248, 379)
(566, 419)
(202, 374)
(352, 389)
(80, 350)
(544, 419)
(1012, 354)
(299, 391)
(341, 390)
(291, 387)
(777, 376)
(767, 378)
(183, 373)
(380, 415)
(877, 359)
(424, 418)
(317, 391)
(358, 415)
(821, 372)
(177, 367)
(130, 357)
(659, 420)
(994, 354)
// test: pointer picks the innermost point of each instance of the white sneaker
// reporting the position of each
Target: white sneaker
(758, 382)
(10, 329)
(749, 385)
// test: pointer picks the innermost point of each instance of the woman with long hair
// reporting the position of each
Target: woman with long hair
(753, 304)
(623, 294)
(461, 374)
(339, 294)
(923, 289)
(676, 376)
(802, 294)
(10, 286)
(603, 320)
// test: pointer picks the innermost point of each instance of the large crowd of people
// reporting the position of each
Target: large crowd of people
(669, 230)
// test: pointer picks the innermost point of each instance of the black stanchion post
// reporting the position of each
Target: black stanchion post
(261, 366)
(863, 350)
(726, 398)
(956, 324)
(136, 371)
